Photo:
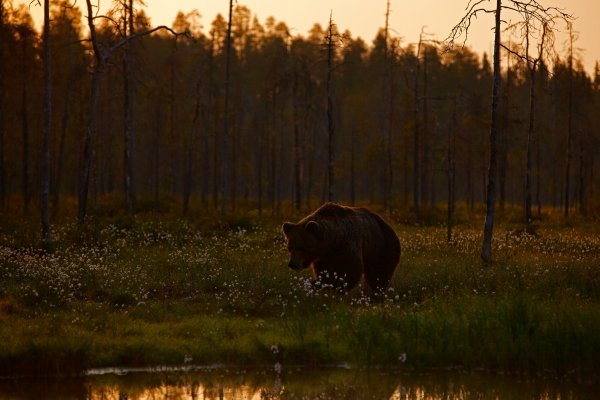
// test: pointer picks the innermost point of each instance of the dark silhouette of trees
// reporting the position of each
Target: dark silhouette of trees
(308, 118)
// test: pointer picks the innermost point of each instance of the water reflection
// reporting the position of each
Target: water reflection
(292, 383)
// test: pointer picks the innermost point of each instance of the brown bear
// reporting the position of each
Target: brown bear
(341, 244)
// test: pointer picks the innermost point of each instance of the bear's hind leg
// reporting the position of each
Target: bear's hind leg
(378, 276)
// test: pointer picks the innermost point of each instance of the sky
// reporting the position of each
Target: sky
(364, 17)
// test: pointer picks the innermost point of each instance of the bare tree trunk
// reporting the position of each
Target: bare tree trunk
(582, 173)
(171, 181)
(273, 151)
(570, 124)
(486, 250)
(47, 131)
(591, 176)
(538, 174)
(530, 139)
(259, 168)
(189, 157)
(233, 161)
(94, 179)
(451, 138)
(416, 139)
(214, 122)
(297, 146)
(25, 131)
(310, 167)
(86, 162)
(389, 151)
(225, 150)
(60, 154)
(531, 130)
(330, 118)
(129, 90)
(386, 125)
(282, 157)
(469, 187)
(405, 167)
(205, 159)
(425, 169)
(503, 147)
(156, 151)
(352, 166)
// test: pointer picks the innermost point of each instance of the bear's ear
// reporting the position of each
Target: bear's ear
(287, 227)
(314, 228)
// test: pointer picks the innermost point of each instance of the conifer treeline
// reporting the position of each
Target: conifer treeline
(397, 110)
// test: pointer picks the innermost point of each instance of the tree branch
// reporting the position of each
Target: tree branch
(144, 33)
(462, 28)
(528, 10)
(511, 51)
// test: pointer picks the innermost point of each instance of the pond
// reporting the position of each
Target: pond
(289, 383)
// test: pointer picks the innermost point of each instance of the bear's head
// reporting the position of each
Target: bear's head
(304, 242)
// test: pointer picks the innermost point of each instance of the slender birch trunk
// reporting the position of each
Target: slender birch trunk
(486, 250)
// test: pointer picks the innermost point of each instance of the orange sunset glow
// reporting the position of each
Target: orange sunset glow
(364, 17)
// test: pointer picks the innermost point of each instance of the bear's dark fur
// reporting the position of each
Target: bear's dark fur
(341, 244)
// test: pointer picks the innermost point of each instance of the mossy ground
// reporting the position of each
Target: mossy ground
(160, 290)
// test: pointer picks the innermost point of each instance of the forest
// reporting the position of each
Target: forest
(408, 118)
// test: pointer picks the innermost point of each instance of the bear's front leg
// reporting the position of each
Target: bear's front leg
(340, 271)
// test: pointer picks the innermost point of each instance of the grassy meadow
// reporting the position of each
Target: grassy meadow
(161, 290)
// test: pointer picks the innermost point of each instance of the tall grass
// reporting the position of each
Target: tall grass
(150, 291)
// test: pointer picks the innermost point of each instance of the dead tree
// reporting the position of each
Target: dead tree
(298, 104)
(526, 10)
(225, 139)
(330, 45)
(569, 123)
(189, 150)
(416, 132)
(129, 91)
(47, 130)
(25, 33)
(101, 57)
(451, 169)
(505, 131)
(388, 100)
(532, 65)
